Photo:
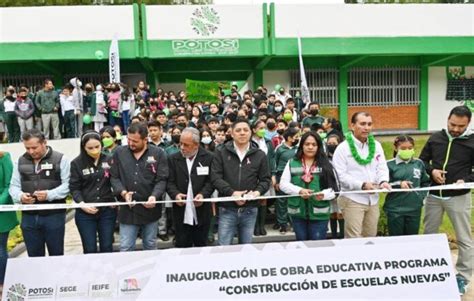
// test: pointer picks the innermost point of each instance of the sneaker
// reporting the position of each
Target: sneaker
(462, 284)
(283, 229)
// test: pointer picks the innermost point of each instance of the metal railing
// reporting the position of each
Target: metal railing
(322, 85)
(384, 86)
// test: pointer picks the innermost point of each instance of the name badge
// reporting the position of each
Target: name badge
(202, 171)
(46, 166)
(151, 160)
(86, 172)
(105, 165)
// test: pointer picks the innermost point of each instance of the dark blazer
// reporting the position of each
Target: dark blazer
(179, 178)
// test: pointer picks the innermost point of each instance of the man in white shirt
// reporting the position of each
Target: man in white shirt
(360, 165)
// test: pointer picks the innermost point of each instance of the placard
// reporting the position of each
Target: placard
(385, 268)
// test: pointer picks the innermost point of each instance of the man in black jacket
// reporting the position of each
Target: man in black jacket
(190, 181)
(139, 172)
(240, 169)
(449, 158)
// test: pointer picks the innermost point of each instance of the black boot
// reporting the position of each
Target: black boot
(333, 226)
(341, 228)
(262, 215)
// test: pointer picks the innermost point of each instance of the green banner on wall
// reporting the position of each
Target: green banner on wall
(202, 91)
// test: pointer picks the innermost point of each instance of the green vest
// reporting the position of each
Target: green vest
(311, 208)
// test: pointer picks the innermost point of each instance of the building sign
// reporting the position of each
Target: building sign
(205, 21)
(205, 47)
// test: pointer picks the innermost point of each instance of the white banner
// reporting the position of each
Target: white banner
(304, 85)
(114, 61)
(383, 268)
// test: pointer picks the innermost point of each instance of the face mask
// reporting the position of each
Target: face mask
(278, 109)
(182, 124)
(206, 140)
(95, 153)
(295, 143)
(107, 142)
(271, 125)
(175, 138)
(323, 135)
(331, 149)
(118, 136)
(314, 112)
(287, 117)
(282, 92)
(260, 133)
(280, 131)
(227, 100)
(406, 154)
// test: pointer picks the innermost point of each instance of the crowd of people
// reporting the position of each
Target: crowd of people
(137, 146)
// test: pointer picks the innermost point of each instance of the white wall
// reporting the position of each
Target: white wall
(391, 20)
(66, 23)
(168, 22)
(271, 78)
(438, 106)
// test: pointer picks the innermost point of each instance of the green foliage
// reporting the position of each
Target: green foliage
(7, 3)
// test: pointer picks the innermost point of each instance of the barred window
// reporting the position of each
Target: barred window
(94, 78)
(384, 86)
(322, 85)
(34, 82)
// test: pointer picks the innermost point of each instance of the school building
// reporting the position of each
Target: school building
(395, 61)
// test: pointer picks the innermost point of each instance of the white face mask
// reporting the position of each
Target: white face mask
(206, 140)
(278, 109)
(227, 100)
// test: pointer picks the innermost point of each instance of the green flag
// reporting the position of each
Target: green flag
(201, 91)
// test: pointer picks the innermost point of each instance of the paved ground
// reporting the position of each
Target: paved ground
(74, 247)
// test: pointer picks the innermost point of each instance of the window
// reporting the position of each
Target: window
(34, 82)
(322, 85)
(384, 86)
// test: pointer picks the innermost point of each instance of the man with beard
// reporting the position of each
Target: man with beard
(139, 173)
(449, 158)
(189, 182)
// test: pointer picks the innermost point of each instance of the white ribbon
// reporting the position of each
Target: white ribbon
(46, 206)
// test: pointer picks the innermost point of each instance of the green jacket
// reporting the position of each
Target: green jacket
(8, 220)
(46, 101)
(270, 156)
(413, 171)
(310, 209)
(172, 149)
(283, 154)
(310, 120)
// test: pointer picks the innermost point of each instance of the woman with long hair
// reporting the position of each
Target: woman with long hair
(90, 183)
(311, 176)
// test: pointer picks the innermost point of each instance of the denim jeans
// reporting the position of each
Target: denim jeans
(39, 230)
(102, 223)
(126, 120)
(310, 230)
(129, 233)
(3, 255)
(236, 220)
